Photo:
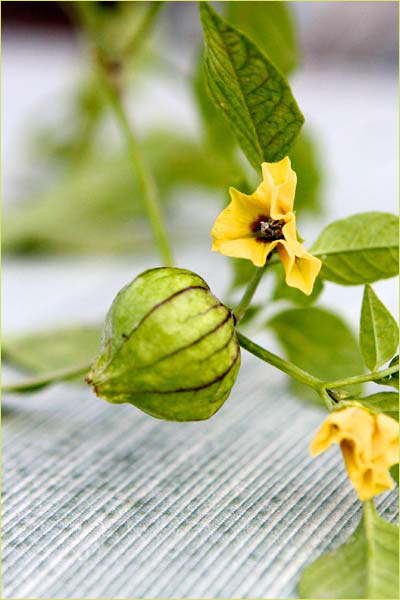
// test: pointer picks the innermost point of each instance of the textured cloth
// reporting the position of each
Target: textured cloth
(102, 501)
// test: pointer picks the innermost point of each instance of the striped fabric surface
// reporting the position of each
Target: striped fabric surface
(101, 501)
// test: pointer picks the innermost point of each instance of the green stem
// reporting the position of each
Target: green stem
(146, 181)
(280, 363)
(41, 381)
(144, 176)
(249, 293)
(362, 378)
(132, 46)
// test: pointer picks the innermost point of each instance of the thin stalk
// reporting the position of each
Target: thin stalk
(362, 378)
(145, 179)
(249, 293)
(133, 45)
(279, 363)
(144, 176)
(41, 381)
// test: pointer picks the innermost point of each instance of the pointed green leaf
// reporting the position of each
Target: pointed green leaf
(393, 379)
(382, 402)
(249, 91)
(365, 566)
(360, 249)
(394, 471)
(319, 342)
(379, 334)
(270, 26)
(217, 132)
(51, 350)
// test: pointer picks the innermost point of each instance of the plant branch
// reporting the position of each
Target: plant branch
(362, 378)
(249, 293)
(108, 78)
(41, 381)
(145, 179)
(280, 363)
(133, 45)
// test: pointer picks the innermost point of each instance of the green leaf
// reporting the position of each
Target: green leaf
(379, 334)
(249, 91)
(250, 313)
(393, 379)
(360, 249)
(319, 342)
(283, 292)
(365, 566)
(304, 159)
(382, 402)
(394, 471)
(51, 350)
(96, 208)
(269, 25)
(218, 133)
(243, 271)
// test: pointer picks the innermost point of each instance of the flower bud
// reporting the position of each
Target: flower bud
(169, 347)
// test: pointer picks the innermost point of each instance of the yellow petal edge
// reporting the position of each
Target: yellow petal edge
(369, 444)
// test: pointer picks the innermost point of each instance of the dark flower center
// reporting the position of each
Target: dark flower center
(268, 229)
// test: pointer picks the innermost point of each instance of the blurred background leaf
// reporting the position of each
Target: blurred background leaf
(46, 351)
(319, 342)
(305, 161)
(271, 27)
(283, 292)
(96, 207)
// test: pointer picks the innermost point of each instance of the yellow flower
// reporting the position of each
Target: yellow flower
(252, 226)
(369, 443)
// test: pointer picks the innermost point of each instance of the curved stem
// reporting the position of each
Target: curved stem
(280, 363)
(249, 293)
(132, 45)
(106, 79)
(41, 381)
(145, 179)
(362, 378)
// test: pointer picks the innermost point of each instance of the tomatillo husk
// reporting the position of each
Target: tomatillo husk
(169, 347)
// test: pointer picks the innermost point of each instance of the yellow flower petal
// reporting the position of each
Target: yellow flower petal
(369, 443)
(301, 269)
(282, 180)
(249, 248)
(233, 222)
(237, 218)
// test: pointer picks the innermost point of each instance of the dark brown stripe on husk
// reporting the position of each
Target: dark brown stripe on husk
(191, 389)
(127, 337)
(152, 310)
(202, 337)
